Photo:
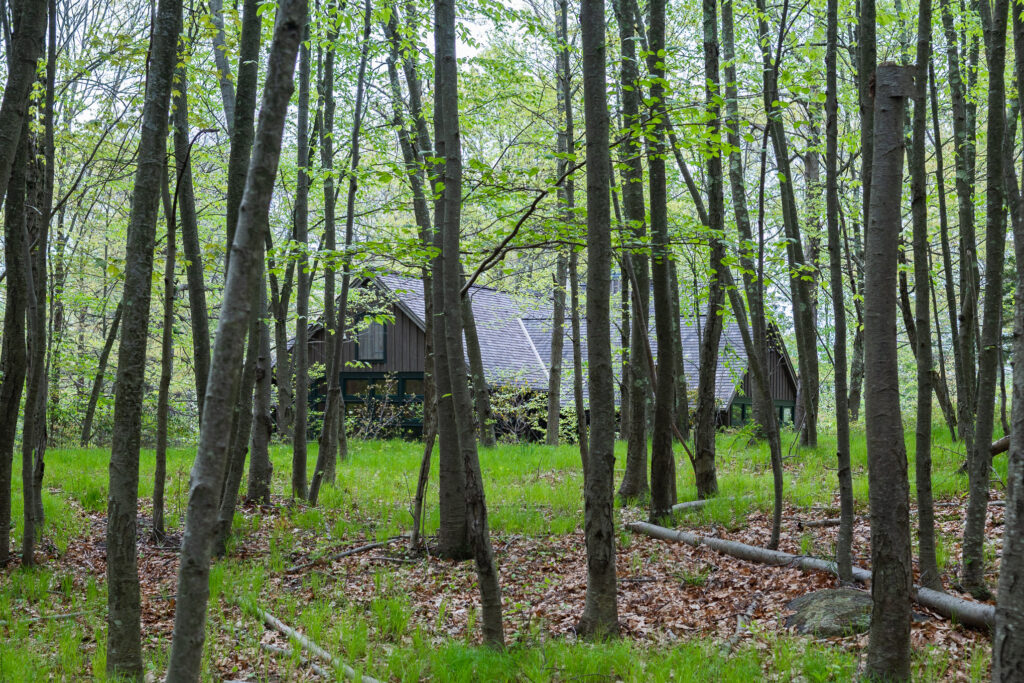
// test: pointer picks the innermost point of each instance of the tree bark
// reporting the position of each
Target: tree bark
(947, 260)
(927, 562)
(186, 202)
(124, 650)
(447, 215)
(964, 149)
(844, 541)
(888, 655)
(1008, 640)
(756, 338)
(634, 481)
(799, 269)
(333, 442)
(979, 460)
(261, 470)
(15, 352)
(301, 235)
(705, 424)
(663, 466)
(26, 46)
(166, 363)
(600, 611)
(214, 442)
(220, 58)
(582, 432)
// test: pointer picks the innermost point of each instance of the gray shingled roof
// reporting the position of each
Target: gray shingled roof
(515, 340)
(732, 355)
(508, 353)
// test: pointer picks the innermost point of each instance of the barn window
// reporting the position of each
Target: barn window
(370, 343)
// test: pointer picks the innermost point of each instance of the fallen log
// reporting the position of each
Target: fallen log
(311, 647)
(698, 504)
(1001, 446)
(973, 614)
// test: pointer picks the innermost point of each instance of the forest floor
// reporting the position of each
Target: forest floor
(397, 617)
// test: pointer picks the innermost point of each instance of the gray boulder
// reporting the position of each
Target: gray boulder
(831, 612)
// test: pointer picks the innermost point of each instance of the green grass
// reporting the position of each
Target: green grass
(531, 490)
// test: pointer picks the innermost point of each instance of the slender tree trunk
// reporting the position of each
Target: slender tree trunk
(241, 427)
(481, 393)
(166, 364)
(124, 650)
(280, 303)
(663, 464)
(927, 562)
(799, 270)
(97, 385)
(15, 352)
(327, 453)
(220, 58)
(634, 481)
(947, 260)
(600, 611)
(682, 398)
(866, 58)
(301, 235)
(214, 443)
(1008, 641)
(844, 542)
(764, 409)
(334, 443)
(447, 216)
(243, 133)
(26, 46)
(707, 409)
(888, 654)
(980, 458)
(186, 202)
(964, 329)
(261, 469)
(557, 344)
(582, 435)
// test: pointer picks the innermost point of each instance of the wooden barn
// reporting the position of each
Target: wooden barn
(383, 350)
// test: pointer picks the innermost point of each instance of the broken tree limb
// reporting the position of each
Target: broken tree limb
(1001, 446)
(311, 647)
(973, 614)
(815, 523)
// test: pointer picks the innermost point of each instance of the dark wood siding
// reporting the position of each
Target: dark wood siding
(780, 383)
(405, 347)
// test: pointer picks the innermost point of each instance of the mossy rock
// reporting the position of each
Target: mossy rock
(831, 612)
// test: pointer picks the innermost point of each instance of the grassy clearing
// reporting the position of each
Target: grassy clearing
(532, 491)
